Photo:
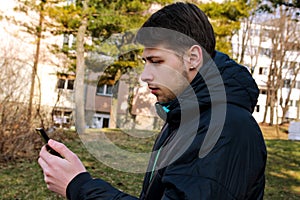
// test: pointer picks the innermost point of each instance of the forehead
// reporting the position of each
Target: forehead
(157, 51)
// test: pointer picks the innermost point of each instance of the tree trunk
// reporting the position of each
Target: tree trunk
(245, 39)
(268, 98)
(271, 122)
(285, 105)
(35, 64)
(80, 74)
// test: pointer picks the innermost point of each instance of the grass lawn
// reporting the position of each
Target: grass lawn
(24, 179)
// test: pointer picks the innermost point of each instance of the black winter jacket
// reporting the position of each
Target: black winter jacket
(210, 147)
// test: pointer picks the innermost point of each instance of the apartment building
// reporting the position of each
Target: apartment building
(117, 104)
(262, 39)
(114, 104)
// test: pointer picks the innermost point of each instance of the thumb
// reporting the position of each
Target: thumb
(60, 148)
(69, 156)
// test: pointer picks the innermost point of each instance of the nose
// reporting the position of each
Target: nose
(147, 75)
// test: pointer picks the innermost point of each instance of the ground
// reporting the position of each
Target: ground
(274, 132)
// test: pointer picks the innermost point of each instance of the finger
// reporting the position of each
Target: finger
(42, 163)
(61, 149)
(45, 168)
(44, 154)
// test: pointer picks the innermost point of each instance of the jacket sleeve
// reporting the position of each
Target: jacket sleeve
(83, 187)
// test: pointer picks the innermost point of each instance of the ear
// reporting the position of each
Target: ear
(195, 57)
(194, 61)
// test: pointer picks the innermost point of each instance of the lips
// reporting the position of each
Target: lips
(153, 89)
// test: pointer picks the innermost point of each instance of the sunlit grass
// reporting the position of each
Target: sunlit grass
(24, 179)
(283, 170)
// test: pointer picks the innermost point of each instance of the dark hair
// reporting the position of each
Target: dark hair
(189, 26)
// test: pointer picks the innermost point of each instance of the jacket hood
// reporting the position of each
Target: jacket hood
(222, 80)
(241, 88)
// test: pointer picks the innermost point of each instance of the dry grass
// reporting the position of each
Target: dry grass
(24, 179)
(275, 132)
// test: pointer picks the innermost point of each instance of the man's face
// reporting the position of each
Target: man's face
(165, 72)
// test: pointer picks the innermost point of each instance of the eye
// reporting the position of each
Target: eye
(156, 61)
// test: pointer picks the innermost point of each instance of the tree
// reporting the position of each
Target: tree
(98, 21)
(34, 28)
(15, 139)
(284, 37)
(271, 32)
(225, 18)
(245, 37)
(80, 70)
(21, 52)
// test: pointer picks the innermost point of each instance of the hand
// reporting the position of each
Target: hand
(58, 172)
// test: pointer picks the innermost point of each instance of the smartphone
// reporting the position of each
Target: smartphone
(46, 138)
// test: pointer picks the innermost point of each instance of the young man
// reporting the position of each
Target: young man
(210, 146)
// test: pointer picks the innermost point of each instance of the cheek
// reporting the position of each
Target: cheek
(170, 74)
(174, 83)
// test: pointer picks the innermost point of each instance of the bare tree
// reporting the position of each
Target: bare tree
(251, 38)
(246, 43)
(32, 25)
(38, 34)
(14, 138)
(272, 33)
(293, 72)
(284, 40)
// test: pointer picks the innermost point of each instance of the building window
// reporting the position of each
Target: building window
(297, 103)
(254, 32)
(257, 107)
(266, 52)
(62, 118)
(70, 84)
(262, 71)
(61, 83)
(66, 82)
(263, 91)
(297, 85)
(69, 42)
(287, 83)
(104, 89)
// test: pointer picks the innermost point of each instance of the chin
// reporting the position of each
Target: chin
(163, 100)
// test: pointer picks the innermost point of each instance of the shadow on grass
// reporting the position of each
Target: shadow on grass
(24, 179)
(283, 170)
